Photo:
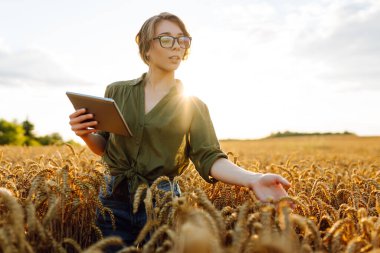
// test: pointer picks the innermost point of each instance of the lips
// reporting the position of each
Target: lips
(174, 57)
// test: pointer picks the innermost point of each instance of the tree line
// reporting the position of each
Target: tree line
(289, 133)
(21, 134)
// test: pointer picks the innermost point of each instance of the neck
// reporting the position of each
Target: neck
(159, 79)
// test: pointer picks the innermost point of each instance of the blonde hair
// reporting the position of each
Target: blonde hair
(146, 33)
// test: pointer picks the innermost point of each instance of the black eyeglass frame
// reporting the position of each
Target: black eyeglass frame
(174, 39)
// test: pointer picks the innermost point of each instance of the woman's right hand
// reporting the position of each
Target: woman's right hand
(80, 123)
(269, 186)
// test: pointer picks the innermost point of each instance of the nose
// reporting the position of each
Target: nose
(176, 44)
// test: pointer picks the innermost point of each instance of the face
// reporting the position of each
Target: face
(166, 59)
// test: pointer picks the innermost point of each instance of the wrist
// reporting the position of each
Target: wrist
(252, 179)
(87, 136)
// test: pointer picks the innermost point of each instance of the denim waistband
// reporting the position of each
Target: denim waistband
(122, 191)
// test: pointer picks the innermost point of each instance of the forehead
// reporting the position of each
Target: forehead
(169, 27)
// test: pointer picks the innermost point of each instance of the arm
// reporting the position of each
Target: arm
(94, 141)
(265, 186)
(208, 159)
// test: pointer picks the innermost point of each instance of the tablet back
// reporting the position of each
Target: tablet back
(105, 112)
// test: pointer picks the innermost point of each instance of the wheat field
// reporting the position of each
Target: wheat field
(48, 201)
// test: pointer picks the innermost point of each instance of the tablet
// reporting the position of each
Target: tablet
(105, 112)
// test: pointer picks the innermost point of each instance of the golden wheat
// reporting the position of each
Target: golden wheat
(49, 202)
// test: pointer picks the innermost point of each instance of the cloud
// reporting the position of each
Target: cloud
(255, 22)
(333, 44)
(32, 67)
(343, 36)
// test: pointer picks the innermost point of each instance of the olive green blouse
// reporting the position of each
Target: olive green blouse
(177, 129)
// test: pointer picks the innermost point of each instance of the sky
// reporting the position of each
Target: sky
(260, 66)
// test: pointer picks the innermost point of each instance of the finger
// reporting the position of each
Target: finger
(279, 192)
(81, 118)
(84, 126)
(77, 113)
(85, 132)
(267, 200)
(285, 183)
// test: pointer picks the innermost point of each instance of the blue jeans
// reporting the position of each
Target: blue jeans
(128, 224)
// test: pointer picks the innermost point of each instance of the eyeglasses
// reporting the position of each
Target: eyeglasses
(167, 41)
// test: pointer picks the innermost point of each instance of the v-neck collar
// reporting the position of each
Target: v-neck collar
(173, 90)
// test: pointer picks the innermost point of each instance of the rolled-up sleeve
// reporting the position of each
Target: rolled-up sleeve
(204, 145)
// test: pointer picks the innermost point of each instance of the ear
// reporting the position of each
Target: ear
(147, 54)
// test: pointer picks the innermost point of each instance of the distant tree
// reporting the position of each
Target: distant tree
(51, 139)
(11, 133)
(289, 133)
(30, 139)
(28, 128)
(14, 133)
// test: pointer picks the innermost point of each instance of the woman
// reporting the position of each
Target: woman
(168, 130)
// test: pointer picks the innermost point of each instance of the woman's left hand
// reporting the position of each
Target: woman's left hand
(269, 186)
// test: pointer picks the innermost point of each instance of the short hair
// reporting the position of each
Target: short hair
(146, 33)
